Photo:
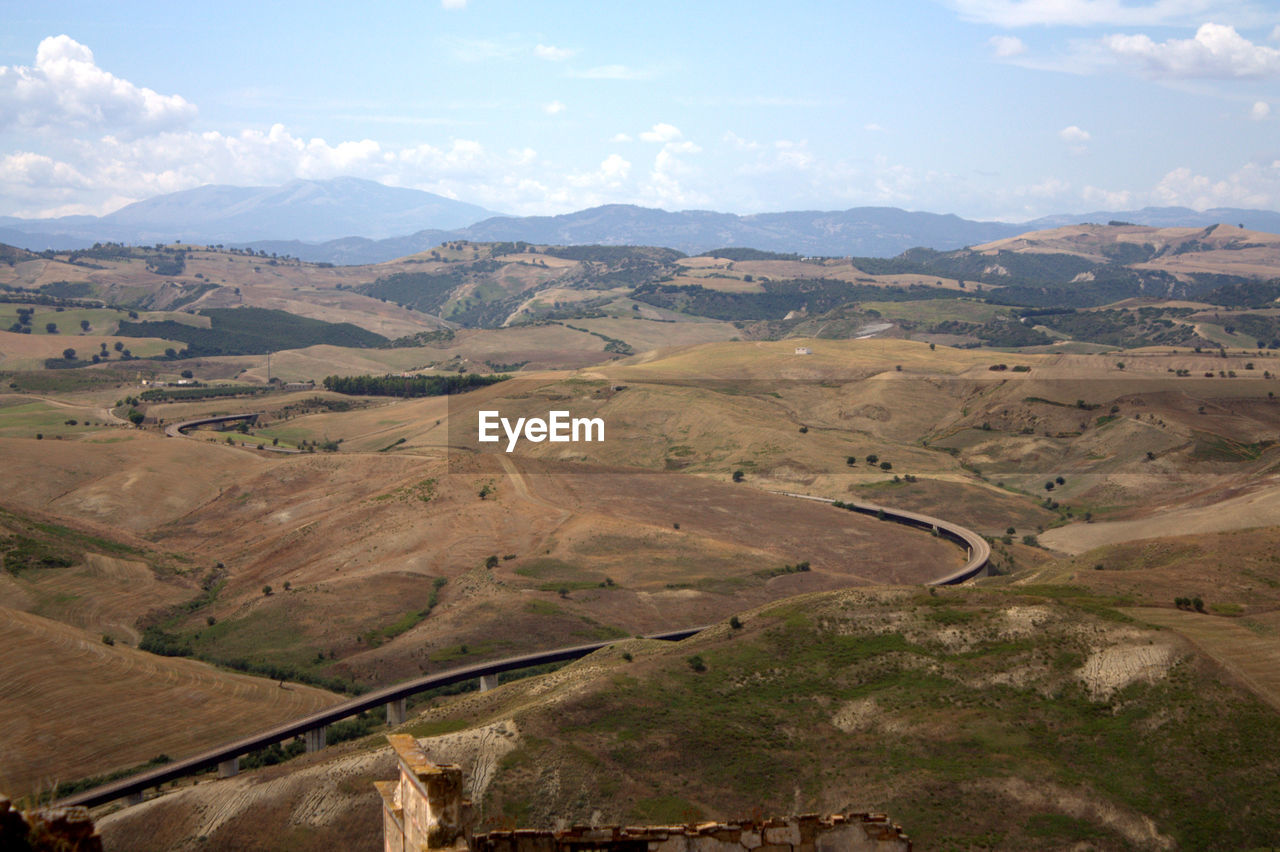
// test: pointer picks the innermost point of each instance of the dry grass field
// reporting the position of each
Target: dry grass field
(1221, 249)
(455, 556)
(1250, 655)
(29, 351)
(73, 706)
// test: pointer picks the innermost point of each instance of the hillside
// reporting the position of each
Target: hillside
(1081, 288)
(974, 718)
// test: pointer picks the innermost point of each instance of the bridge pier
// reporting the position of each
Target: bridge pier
(229, 768)
(134, 798)
(488, 682)
(316, 738)
(396, 712)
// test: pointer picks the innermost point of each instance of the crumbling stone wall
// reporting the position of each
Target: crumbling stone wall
(61, 829)
(809, 833)
(424, 810)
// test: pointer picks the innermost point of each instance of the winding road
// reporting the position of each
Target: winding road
(978, 552)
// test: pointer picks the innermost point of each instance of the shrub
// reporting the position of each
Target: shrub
(695, 662)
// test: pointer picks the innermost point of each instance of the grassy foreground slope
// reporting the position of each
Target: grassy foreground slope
(1036, 719)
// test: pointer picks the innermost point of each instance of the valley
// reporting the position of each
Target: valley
(1100, 410)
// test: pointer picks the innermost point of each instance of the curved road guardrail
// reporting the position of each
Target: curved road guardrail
(979, 553)
(174, 430)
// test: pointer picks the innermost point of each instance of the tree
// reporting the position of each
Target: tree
(51, 327)
(187, 374)
(119, 346)
(266, 590)
(69, 354)
(872, 459)
(738, 475)
(851, 461)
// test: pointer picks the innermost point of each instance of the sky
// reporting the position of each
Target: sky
(990, 109)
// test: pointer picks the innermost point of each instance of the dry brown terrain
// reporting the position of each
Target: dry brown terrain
(71, 705)
(1219, 249)
(1251, 655)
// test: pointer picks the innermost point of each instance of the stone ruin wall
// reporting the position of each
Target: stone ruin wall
(424, 810)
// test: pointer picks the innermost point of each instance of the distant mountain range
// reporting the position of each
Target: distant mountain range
(311, 210)
(352, 221)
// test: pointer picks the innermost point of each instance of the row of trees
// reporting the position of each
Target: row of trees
(408, 386)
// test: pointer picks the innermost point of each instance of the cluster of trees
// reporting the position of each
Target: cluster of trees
(253, 331)
(409, 386)
(813, 295)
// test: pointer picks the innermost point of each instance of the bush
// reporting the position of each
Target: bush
(695, 662)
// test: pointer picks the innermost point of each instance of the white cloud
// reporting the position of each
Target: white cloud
(613, 72)
(738, 142)
(66, 89)
(1260, 110)
(611, 174)
(553, 54)
(1005, 46)
(783, 155)
(1085, 13)
(1107, 199)
(793, 155)
(1216, 51)
(620, 137)
(1074, 135)
(661, 132)
(667, 186)
(554, 108)
(1047, 188)
(483, 49)
(683, 147)
(1255, 185)
(873, 127)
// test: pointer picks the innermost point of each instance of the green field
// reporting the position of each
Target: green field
(24, 419)
(938, 310)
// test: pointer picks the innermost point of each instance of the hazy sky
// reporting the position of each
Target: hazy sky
(987, 108)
